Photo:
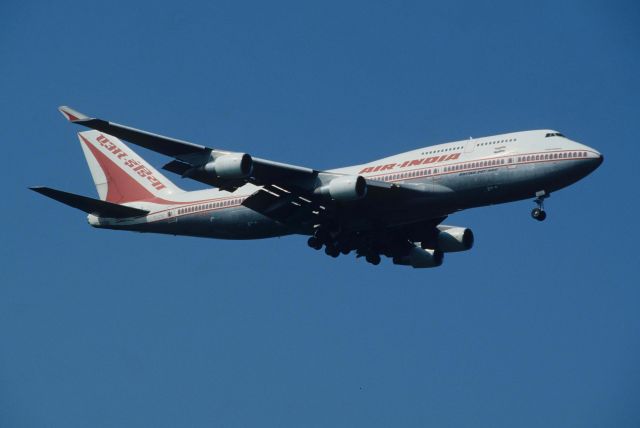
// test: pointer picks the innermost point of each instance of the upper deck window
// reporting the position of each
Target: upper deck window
(554, 134)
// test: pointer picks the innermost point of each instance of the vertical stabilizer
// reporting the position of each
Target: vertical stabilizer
(120, 175)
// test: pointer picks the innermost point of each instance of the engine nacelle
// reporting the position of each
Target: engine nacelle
(347, 188)
(452, 239)
(419, 258)
(231, 166)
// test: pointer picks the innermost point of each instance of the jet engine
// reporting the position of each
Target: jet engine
(347, 188)
(419, 258)
(231, 166)
(452, 239)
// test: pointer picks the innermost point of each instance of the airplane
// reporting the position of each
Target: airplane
(391, 207)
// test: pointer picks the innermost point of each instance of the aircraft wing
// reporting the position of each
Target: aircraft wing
(189, 156)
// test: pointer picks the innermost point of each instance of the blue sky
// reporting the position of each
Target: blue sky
(538, 325)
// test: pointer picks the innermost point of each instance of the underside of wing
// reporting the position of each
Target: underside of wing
(219, 168)
(158, 143)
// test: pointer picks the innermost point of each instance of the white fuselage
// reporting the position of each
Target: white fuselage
(453, 176)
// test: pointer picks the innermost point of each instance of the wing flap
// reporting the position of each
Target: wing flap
(284, 205)
(90, 205)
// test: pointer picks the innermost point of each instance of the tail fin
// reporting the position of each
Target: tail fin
(120, 175)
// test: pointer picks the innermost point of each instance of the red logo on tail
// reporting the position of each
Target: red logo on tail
(139, 168)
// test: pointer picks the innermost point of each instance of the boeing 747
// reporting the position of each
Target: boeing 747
(391, 207)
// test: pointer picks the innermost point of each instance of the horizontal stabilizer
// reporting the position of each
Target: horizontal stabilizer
(90, 205)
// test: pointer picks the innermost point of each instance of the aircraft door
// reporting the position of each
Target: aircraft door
(470, 145)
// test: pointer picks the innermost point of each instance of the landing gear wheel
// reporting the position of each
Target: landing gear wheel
(538, 214)
(374, 259)
(331, 251)
(314, 243)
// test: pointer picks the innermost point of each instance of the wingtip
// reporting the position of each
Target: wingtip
(72, 115)
(39, 189)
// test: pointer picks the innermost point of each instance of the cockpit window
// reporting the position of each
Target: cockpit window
(554, 134)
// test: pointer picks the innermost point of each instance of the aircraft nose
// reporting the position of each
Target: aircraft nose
(597, 160)
(594, 161)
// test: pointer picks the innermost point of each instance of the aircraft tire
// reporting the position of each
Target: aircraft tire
(374, 259)
(538, 214)
(314, 243)
(331, 251)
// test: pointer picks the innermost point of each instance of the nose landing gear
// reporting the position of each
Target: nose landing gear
(539, 213)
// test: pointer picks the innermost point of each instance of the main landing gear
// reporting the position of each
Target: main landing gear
(539, 213)
(321, 238)
(373, 258)
(314, 242)
(334, 245)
